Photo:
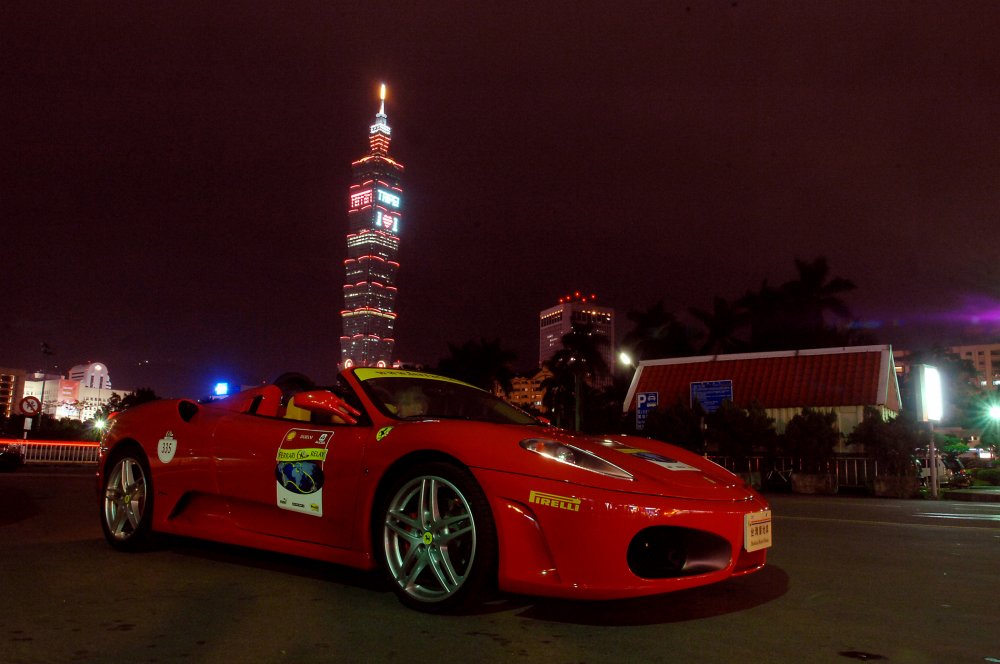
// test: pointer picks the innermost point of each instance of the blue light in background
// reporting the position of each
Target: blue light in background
(221, 389)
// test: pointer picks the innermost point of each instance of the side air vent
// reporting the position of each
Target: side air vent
(187, 410)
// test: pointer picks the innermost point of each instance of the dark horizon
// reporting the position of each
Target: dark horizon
(175, 177)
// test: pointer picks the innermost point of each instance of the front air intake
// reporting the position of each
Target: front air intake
(663, 552)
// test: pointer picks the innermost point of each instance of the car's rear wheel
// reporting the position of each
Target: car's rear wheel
(438, 538)
(127, 504)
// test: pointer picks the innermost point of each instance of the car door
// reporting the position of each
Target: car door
(289, 478)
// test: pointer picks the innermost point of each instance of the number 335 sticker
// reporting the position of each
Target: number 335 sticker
(167, 447)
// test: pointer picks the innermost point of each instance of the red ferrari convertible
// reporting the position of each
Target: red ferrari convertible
(448, 489)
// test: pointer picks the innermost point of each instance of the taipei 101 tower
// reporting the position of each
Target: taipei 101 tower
(374, 217)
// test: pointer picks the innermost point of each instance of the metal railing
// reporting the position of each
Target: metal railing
(851, 471)
(57, 451)
(856, 472)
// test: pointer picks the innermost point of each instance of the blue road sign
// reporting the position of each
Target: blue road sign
(711, 393)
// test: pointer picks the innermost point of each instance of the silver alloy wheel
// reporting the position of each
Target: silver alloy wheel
(124, 498)
(429, 537)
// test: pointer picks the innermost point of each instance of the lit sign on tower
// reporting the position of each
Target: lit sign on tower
(374, 217)
(388, 198)
(361, 198)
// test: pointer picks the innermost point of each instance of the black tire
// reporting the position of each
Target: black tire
(436, 539)
(127, 500)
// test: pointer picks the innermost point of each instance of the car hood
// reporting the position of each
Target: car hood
(657, 468)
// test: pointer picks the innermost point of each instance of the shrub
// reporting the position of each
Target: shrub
(678, 424)
(811, 436)
(890, 442)
(988, 476)
(740, 433)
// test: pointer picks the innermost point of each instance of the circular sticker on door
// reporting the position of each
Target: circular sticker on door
(167, 447)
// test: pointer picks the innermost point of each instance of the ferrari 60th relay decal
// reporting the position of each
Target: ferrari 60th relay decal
(298, 471)
(382, 433)
(552, 500)
(167, 448)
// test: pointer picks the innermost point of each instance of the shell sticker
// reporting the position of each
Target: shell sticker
(166, 448)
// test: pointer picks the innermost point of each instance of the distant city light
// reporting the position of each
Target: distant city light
(577, 296)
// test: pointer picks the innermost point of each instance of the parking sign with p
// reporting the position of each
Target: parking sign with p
(644, 402)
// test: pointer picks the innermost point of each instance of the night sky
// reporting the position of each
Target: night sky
(175, 174)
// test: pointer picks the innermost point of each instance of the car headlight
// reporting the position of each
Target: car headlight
(574, 456)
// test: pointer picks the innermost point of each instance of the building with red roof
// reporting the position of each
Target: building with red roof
(839, 380)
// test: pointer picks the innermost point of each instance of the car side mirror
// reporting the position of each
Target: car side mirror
(327, 403)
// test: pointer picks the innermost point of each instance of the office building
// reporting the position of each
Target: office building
(580, 312)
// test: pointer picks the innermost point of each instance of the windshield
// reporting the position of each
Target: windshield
(419, 396)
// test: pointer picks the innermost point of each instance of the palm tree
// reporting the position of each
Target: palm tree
(559, 393)
(484, 364)
(763, 309)
(814, 294)
(794, 314)
(657, 334)
(578, 362)
(721, 325)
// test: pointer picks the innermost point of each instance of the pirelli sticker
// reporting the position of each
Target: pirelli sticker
(553, 500)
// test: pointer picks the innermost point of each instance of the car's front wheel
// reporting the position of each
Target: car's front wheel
(438, 538)
(127, 503)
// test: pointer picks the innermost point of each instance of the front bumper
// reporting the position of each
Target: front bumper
(559, 539)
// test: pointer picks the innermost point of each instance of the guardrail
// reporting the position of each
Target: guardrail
(851, 471)
(56, 451)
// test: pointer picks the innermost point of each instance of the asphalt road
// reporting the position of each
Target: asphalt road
(849, 579)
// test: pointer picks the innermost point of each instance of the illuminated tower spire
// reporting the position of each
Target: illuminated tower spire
(380, 133)
(374, 218)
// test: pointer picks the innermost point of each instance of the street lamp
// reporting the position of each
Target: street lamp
(930, 408)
